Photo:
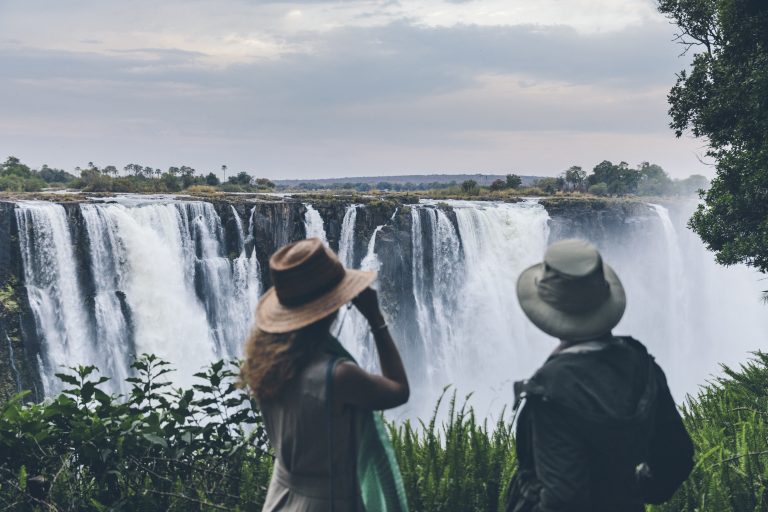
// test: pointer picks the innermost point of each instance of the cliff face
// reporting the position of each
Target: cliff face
(264, 226)
(18, 339)
(600, 219)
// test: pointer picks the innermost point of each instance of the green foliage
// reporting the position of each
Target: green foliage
(264, 183)
(599, 189)
(470, 187)
(158, 448)
(514, 181)
(550, 185)
(461, 464)
(575, 177)
(728, 422)
(17, 177)
(212, 180)
(619, 179)
(498, 185)
(204, 448)
(9, 303)
(722, 97)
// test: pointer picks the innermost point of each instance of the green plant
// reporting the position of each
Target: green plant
(157, 448)
(728, 422)
(8, 301)
(457, 464)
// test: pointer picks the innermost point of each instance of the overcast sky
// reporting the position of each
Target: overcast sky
(320, 88)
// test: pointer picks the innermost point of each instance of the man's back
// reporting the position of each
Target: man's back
(599, 432)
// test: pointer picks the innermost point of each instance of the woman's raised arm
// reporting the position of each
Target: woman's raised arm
(355, 386)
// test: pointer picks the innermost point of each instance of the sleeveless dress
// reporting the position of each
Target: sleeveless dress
(296, 422)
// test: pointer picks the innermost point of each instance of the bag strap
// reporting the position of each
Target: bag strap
(329, 415)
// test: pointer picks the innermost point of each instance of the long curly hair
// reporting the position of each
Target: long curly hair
(272, 360)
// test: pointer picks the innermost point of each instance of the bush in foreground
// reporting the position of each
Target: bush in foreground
(204, 448)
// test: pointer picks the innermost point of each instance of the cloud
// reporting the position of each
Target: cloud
(397, 93)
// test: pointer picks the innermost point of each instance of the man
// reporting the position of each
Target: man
(599, 430)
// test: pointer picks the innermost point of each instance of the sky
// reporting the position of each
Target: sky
(323, 88)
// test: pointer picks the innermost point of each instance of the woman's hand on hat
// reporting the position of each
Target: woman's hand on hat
(368, 304)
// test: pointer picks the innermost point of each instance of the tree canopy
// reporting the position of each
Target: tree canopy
(723, 98)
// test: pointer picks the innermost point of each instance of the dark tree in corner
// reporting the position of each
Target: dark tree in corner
(724, 99)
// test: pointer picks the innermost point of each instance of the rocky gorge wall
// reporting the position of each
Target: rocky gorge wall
(446, 278)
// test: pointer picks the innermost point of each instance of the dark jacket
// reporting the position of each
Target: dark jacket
(599, 431)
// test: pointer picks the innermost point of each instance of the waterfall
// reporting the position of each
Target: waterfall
(113, 329)
(347, 238)
(435, 282)
(680, 303)
(675, 272)
(240, 233)
(162, 284)
(155, 277)
(354, 330)
(55, 296)
(464, 276)
(313, 224)
(371, 260)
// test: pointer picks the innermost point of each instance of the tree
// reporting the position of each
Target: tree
(514, 181)
(264, 183)
(212, 180)
(242, 178)
(575, 177)
(134, 169)
(619, 179)
(599, 189)
(723, 99)
(498, 185)
(654, 181)
(470, 187)
(550, 185)
(693, 184)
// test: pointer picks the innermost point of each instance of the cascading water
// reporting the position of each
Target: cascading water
(162, 284)
(55, 297)
(676, 278)
(313, 224)
(357, 332)
(691, 313)
(160, 280)
(472, 329)
(347, 238)
(437, 258)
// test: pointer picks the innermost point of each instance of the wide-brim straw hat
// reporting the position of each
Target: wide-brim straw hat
(310, 283)
(572, 295)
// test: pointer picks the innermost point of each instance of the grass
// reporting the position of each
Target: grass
(84, 450)
(728, 424)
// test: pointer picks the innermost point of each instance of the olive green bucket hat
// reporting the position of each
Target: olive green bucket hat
(572, 295)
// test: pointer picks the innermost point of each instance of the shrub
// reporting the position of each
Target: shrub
(202, 190)
(157, 448)
(470, 187)
(599, 189)
(498, 185)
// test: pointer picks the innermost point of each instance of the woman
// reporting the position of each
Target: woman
(331, 452)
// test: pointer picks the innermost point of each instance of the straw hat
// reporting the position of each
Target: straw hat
(310, 283)
(572, 295)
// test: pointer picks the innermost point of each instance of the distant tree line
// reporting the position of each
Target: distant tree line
(620, 179)
(17, 177)
(381, 185)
